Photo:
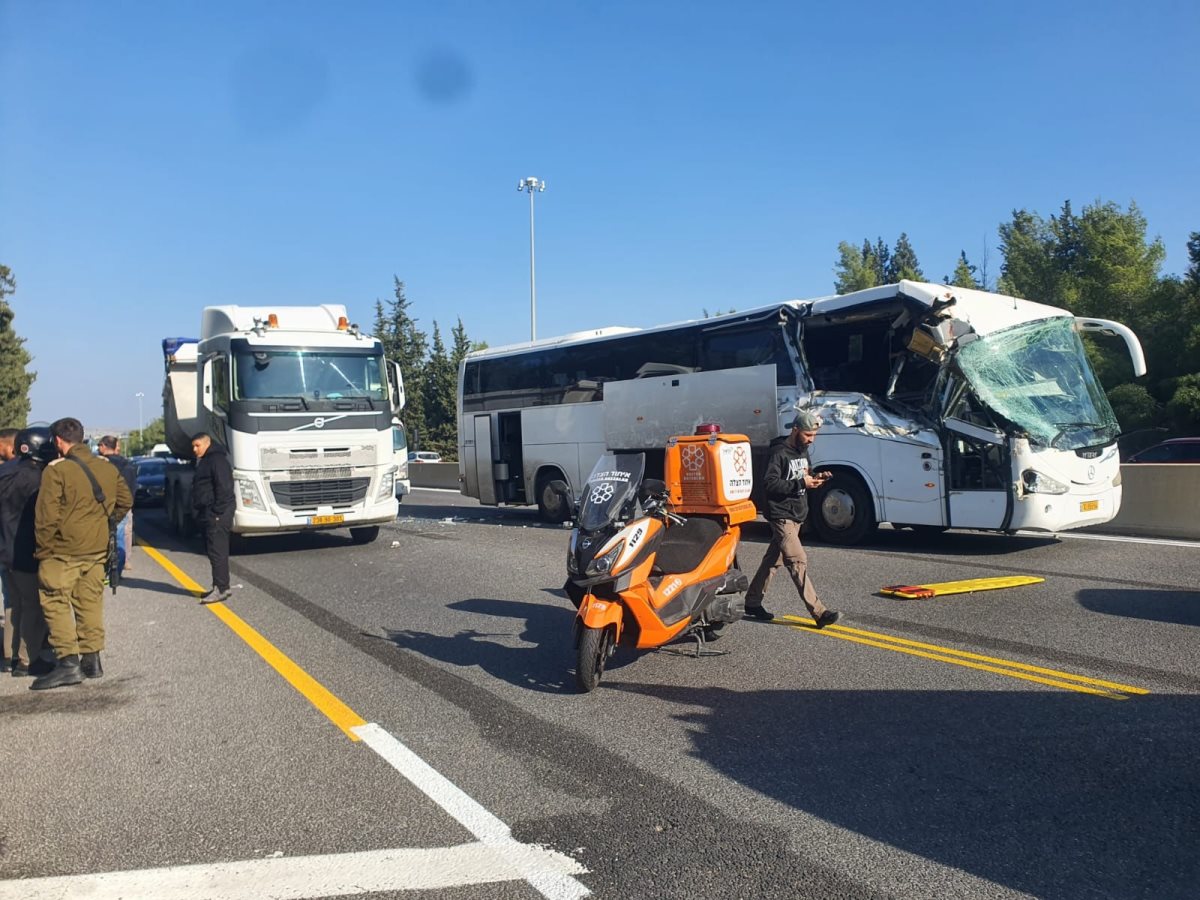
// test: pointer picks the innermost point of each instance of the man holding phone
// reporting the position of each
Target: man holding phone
(786, 485)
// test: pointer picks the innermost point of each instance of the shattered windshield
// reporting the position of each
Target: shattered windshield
(1037, 376)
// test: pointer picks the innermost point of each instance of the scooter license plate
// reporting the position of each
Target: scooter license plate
(326, 520)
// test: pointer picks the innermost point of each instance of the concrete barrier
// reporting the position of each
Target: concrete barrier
(1159, 501)
(433, 475)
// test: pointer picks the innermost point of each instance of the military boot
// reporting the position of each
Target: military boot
(90, 665)
(66, 672)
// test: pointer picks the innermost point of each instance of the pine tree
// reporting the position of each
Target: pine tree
(405, 343)
(903, 264)
(440, 400)
(15, 381)
(855, 269)
(880, 259)
(964, 273)
(462, 345)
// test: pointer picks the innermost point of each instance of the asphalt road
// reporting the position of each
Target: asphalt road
(941, 748)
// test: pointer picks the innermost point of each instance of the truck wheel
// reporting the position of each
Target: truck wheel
(595, 647)
(364, 534)
(552, 506)
(841, 510)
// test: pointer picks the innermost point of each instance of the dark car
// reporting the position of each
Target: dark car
(151, 481)
(1176, 450)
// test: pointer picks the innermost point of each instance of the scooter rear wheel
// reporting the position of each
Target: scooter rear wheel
(595, 647)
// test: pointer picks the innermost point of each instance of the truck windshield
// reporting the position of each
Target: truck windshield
(309, 374)
(1037, 376)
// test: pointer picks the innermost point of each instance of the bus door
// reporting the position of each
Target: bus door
(482, 469)
(978, 476)
(912, 481)
(509, 470)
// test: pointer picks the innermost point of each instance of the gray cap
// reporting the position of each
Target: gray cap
(806, 420)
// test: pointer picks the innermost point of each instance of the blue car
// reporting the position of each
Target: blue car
(151, 481)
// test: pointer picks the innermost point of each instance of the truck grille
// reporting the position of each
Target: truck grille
(327, 492)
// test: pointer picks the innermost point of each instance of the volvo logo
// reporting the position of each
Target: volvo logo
(319, 422)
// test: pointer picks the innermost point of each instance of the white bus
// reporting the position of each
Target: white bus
(943, 407)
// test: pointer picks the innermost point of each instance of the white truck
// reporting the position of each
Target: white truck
(304, 403)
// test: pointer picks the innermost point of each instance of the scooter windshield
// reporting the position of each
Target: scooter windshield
(613, 483)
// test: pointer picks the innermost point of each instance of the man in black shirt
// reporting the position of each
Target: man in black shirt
(786, 484)
(213, 504)
(109, 447)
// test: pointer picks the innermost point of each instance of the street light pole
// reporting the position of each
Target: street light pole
(531, 185)
(141, 435)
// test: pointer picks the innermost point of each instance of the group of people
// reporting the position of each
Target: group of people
(58, 504)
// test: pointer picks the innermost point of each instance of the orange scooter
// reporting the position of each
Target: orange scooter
(651, 561)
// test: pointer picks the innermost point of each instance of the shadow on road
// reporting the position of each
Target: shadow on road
(1172, 607)
(546, 665)
(1057, 795)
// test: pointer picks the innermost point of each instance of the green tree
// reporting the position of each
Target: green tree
(407, 344)
(855, 269)
(15, 379)
(964, 273)
(140, 443)
(461, 347)
(1134, 406)
(1027, 268)
(440, 400)
(903, 263)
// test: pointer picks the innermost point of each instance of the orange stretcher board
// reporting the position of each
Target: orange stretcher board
(925, 591)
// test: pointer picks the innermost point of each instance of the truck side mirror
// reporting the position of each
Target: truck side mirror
(206, 380)
(396, 385)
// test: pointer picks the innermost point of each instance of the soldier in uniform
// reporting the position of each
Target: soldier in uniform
(72, 529)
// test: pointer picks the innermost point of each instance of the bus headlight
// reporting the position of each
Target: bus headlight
(1040, 483)
(601, 564)
(248, 495)
(387, 485)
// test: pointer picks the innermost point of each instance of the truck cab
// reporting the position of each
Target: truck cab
(304, 403)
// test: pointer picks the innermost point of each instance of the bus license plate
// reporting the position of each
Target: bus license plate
(1089, 506)
(326, 520)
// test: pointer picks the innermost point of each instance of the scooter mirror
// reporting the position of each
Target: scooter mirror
(652, 487)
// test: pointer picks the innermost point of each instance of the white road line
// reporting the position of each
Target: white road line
(302, 877)
(547, 870)
(1117, 538)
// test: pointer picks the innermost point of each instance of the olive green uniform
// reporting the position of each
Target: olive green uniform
(72, 544)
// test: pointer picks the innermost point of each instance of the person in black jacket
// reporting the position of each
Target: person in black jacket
(213, 504)
(20, 481)
(109, 447)
(786, 484)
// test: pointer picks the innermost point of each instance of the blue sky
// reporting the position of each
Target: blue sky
(159, 157)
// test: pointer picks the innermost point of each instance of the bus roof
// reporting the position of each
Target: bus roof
(985, 311)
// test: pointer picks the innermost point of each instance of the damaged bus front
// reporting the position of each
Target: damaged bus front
(947, 407)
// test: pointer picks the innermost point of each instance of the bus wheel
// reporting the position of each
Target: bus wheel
(552, 505)
(841, 510)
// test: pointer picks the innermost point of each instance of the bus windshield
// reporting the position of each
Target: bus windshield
(308, 374)
(1037, 376)
(613, 483)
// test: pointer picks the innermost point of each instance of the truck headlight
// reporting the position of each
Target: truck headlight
(387, 485)
(248, 495)
(1040, 483)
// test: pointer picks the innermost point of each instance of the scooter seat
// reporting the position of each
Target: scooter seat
(685, 546)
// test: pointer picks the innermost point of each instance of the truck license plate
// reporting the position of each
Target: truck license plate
(326, 520)
(1089, 505)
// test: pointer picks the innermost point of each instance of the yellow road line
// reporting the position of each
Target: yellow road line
(334, 709)
(1111, 689)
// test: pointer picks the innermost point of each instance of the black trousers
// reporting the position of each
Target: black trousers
(216, 542)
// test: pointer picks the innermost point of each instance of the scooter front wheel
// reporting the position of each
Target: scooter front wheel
(595, 647)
